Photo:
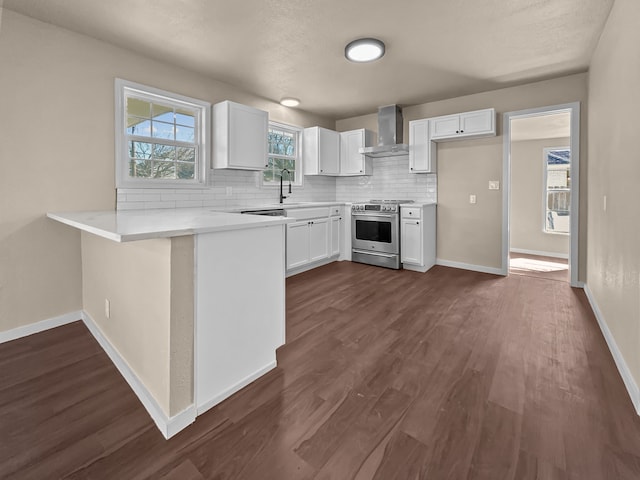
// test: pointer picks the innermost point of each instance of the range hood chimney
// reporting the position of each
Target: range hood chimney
(389, 134)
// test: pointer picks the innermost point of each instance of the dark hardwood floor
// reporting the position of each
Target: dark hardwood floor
(539, 266)
(385, 375)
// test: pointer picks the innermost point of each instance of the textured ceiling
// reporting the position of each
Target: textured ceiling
(436, 49)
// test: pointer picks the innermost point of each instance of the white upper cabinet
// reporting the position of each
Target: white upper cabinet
(239, 136)
(479, 123)
(351, 161)
(422, 155)
(320, 151)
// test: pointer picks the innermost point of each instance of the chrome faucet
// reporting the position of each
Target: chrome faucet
(282, 197)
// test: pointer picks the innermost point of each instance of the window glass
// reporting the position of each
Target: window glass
(283, 154)
(557, 185)
(165, 139)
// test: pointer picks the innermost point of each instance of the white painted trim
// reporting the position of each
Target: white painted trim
(540, 253)
(574, 109)
(168, 426)
(468, 266)
(416, 268)
(40, 326)
(623, 368)
(311, 266)
(234, 388)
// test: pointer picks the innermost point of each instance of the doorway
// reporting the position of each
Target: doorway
(540, 195)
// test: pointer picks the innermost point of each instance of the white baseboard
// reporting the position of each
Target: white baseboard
(416, 268)
(168, 426)
(41, 326)
(623, 368)
(234, 388)
(540, 253)
(467, 266)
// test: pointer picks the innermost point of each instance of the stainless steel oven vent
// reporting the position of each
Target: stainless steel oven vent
(389, 134)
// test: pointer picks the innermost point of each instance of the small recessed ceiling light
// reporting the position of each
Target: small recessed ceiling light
(364, 50)
(290, 102)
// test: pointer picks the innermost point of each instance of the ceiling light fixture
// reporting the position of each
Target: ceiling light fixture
(364, 50)
(290, 102)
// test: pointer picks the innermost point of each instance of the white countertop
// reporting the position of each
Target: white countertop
(417, 204)
(130, 225)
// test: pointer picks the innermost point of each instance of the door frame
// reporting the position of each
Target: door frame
(574, 206)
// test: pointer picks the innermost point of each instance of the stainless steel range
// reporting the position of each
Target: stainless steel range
(375, 232)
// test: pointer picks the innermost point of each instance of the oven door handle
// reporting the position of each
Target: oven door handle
(373, 215)
(377, 254)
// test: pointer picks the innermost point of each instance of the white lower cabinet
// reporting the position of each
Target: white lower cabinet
(334, 246)
(297, 244)
(418, 237)
(314, 239)
(318, 239)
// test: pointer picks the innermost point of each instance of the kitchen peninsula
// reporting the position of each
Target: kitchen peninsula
(189, 303)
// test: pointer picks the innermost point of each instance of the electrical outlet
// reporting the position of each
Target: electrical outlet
(472, 199)
(107, 308)
(604, 203)
(494, 185)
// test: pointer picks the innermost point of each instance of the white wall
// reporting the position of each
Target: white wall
(613, 275)
(57, 154)
(471, 234)
(527, 198)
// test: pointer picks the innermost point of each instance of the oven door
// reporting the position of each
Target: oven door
(377, 233)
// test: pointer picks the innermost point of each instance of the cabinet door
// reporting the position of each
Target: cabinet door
(318, 239)
(443, 127)
(411, 248)
(297, 244)
(478, 122)
(351, 162)
(421, 148)
(239, 136)
(336, 223)
(329, 152)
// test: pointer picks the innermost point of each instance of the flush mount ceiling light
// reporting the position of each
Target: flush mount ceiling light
(364, 50)
(290, 102)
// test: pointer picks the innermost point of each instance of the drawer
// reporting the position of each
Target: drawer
(411, 212)
(303, 213)
(335, 211)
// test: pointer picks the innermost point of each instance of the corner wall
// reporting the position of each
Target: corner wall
(613, 275)
(57, 154)
(471, 234)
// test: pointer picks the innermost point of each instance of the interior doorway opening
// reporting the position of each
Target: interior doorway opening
(540, 198)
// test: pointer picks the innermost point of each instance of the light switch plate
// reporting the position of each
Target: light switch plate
(472, 199)
(494, 185)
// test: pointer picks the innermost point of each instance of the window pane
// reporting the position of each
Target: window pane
(162, 130)
(139, 108)
(186, 170)
(139, 150)
(185, 154)
(184, 134)
(162, 113)
(164, 170)
(164, 151)
(164, 117)
(185, 117)
(140, 168)
(138, 126)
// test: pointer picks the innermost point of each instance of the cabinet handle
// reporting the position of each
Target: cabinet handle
(411, 168)
(417, 223)
(461, 131)
(457, 131)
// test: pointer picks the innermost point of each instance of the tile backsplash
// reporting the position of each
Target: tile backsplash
(390, 179)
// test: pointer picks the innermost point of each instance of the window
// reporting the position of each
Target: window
(162, 139)
(557, 189)
(283, 153)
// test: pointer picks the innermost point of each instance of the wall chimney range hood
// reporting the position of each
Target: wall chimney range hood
(389, 134)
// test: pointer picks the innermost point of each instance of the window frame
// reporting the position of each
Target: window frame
(298, 180)
(545, 189)
(125, 89)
